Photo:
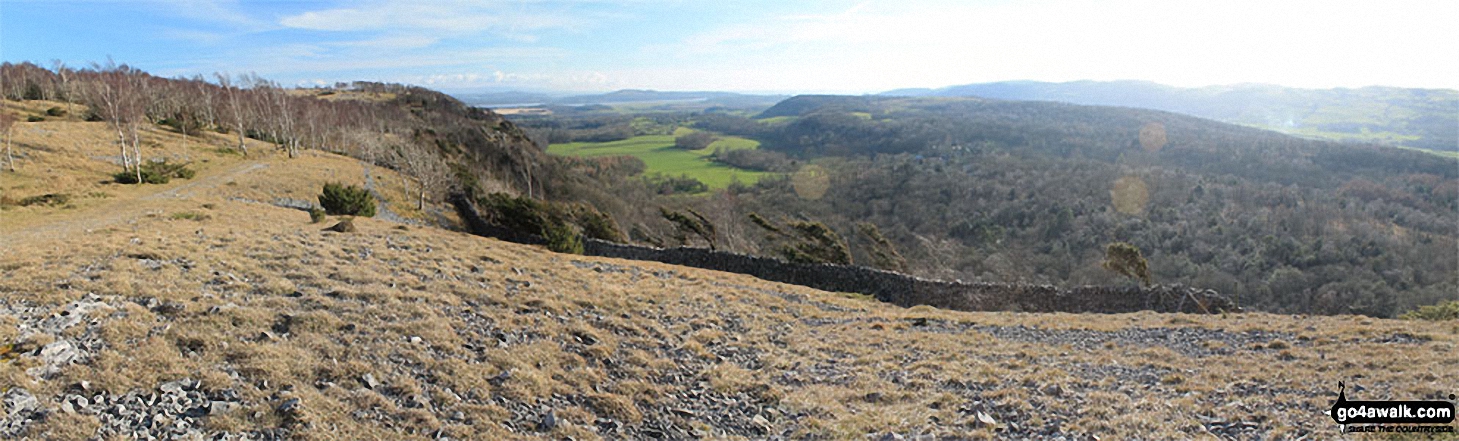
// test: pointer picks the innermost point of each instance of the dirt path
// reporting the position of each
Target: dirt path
(192, 188)
(62, 225)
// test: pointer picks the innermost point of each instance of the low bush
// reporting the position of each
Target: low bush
(316, 215)
(156, 173)
(755, 159)
(596, 224)
(665, 184)
(1439, 312)
(520, 214)
(34, 119)
(561, 238)
(695, 140)
(562, 227)
(50, 200)
(191, 215)
(56, 112)
(341, 200)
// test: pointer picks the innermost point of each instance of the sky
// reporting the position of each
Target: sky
(809, 46)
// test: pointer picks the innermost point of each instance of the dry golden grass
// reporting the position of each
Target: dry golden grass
(77, 158)
(439, 317)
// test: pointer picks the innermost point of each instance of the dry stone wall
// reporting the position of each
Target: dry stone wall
(896, 288)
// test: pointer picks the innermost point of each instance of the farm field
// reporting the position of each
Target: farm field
(660, 157)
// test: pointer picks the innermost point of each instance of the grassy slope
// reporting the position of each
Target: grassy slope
(435, 315)
(660, 156)
(76, 158)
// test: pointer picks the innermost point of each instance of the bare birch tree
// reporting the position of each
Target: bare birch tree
(7, 122)
(114, 99)
(64, 90)
(234, 108)
(429, 170)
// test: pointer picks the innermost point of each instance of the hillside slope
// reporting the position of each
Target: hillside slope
(200, 307)
(1015, 191)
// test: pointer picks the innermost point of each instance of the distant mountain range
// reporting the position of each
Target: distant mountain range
(1420, 118)
(627, 96)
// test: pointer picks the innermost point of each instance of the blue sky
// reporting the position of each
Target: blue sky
(753, 46)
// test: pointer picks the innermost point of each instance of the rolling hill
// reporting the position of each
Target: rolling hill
(1029, 191)
(1419, 118)
(621, 97)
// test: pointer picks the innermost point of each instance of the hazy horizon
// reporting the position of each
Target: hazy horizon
(581, 46)
(568, 93)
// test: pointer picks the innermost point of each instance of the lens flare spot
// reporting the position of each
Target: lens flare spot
(1152, 137)
(811, 182)
(1130, 195)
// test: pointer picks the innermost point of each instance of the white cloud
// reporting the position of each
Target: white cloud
(212, 11)
(556, 80)
(878, 46)
(389, 42)
(309, 59)
(445, 16)
(868, 46)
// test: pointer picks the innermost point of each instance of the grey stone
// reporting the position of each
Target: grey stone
(985, 420)
(221, 407)
(549, 421)
(171, 387)
(19, 400)
(501, 378)
(59, 352)
(289, 406)
(761, 422)
(369, 381)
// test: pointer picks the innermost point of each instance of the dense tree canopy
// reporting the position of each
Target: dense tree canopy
(1013, 191)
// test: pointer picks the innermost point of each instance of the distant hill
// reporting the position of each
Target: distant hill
(626, 96)
(1001, 190)
(504, 98)
(1420, 118)
(637, 95)
(802, 104)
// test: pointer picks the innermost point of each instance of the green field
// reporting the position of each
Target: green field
(660, 157)
(1446, 154)
(1387, 138)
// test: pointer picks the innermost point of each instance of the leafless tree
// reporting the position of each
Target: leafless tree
(64, 90)
(115, 97)
(235, 109)
(284, 119)
(428, 169)
(204, 94)
(16, 77)
(139, 93)
(7, 122)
